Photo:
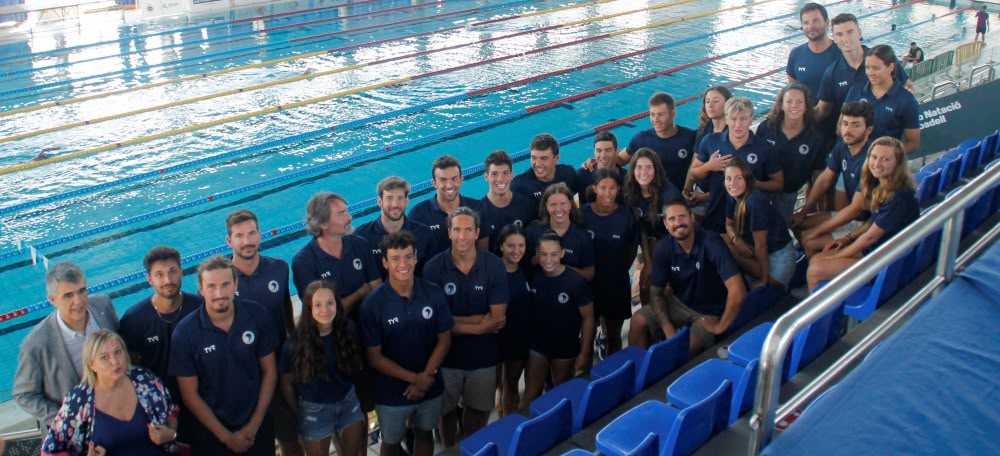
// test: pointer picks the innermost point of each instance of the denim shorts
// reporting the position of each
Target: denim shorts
(423, 416)
(781, 263)
(318, 420)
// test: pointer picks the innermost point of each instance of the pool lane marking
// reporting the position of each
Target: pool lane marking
(356, 123)
(270, 110)
(353, 208)
(253, 49)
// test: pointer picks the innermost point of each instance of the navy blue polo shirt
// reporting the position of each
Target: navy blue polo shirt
(756, 153)
(324, 391)
(675, 152)
(840, 77)
(468, 295)
(353, 269)
(704, 131)
(896, 111)
(407, 330)
(528, 185)
(556, 320)
(227, 364)
(761, 215)
(429, 213)
(585, 179)
(579, 248)
(842, 163)
(895, 215)
(807, 67)
(148, 333)
(656, 229)
(268, 286)
(519, 212)
(698, 279)
(797, 156)
(374, 231)
(517, 330)
(613, 235)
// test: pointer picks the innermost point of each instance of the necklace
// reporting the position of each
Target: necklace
(160, 315)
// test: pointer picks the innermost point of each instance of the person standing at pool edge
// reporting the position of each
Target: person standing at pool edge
(982, 24)
(50, 361)
(265, 280)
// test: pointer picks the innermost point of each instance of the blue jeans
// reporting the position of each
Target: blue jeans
(318, 420)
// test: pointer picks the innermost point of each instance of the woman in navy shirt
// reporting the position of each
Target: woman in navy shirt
(514, 338)
(614, 231)
(888, 192)
(317, 364)
(713, 115)
(789, 130)
(562, 338)
(646, 189)
(756, 233)
(557, 212)
(896, 109)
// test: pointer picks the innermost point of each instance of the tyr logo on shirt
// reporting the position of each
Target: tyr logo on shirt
(427, 312)
(209, 349)
(153, 339)
(802, 69)
(591, 233)
(888, 108)
(273, 286)
(392, 321)
(773, 142)
(538, 194)
(675, 269)
(478, 287)
(357, 264)
(248, 337)
(435, 227)
(325, 275)
(842, 83)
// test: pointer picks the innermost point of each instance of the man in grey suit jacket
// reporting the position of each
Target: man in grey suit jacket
(51, 359)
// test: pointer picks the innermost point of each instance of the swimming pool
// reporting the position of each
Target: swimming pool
(371, 138)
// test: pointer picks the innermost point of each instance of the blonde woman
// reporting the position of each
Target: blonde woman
(117, 408)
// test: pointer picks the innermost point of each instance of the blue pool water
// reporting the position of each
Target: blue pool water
(217, 43)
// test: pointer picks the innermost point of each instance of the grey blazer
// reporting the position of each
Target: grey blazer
(45, 371)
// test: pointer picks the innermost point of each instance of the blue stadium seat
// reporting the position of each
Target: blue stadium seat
(972, 153)
(927, 184)
(807, 345)
(515, 435)
(651, 365)
(923, 253)
(862, 303)
(589, 400)
(952, 164)
(699, 382)
(757, 301)
(680, 432)
(990, 146)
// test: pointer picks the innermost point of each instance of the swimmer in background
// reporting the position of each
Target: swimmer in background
(44, 154)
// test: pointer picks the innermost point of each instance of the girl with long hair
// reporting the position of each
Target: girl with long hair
(888, 192)
(789, 129)
(558, 213)
(756, 233)
(516, 334)
(317, 365)
(646, 189)
(897, 113)
(614, 232)
(712, 118)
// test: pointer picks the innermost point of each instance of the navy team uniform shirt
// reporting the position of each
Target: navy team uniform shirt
(268, 286)
(528, 185)
(708, 129)
(840, 77)
(323, 391)
(515, 336)
(655, 230)
(469, 295)
(227, 364)
(675, 152)
(798, 156)
(613, 235)
(374, 231)
(429, 213)
(585, 179)
(579, 248)
(841, 162)
(807, 67)
(148, 333)
(407, 330)
(896, 111)
(556, 320)
(353, 269)
(756, 153)
(492, 219)
(895, 215)
(761, 215)
(698, 279)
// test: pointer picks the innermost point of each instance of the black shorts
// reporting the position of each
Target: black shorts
(981, 30)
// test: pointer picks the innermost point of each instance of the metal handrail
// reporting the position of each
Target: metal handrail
(21, 435)
(762, 420)
(987, 67)
(944, 84)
